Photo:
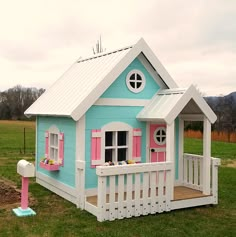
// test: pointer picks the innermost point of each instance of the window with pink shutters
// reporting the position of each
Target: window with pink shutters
(54, 145)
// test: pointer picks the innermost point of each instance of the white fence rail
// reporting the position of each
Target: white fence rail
(192, 176)
(192, 167)
(133, 190)
(215, 162)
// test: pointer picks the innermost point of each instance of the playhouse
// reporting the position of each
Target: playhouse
(110, 135)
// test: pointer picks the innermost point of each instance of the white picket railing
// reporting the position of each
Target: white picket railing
(192, 168)
(133, 190)
(215, 163)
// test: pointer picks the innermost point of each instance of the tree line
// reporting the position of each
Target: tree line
(14, 101)
(225, 110)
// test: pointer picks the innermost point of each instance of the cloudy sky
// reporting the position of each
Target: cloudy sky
(194, 40)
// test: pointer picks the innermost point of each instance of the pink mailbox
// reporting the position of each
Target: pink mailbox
(26, 170)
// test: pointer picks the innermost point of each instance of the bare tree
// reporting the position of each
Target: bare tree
(98, 48)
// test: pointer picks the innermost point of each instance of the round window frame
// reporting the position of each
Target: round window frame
(143, 81)
(155, 138)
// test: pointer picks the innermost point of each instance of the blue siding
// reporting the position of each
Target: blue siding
(66, 174)
(98, 116)
(118, 89)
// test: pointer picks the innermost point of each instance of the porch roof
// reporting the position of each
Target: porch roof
(166, 105)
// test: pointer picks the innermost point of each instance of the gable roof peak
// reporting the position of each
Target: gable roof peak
(91, 77)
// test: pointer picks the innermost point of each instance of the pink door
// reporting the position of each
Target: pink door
(157, 142)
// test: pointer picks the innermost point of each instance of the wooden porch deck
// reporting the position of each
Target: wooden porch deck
(180, 193)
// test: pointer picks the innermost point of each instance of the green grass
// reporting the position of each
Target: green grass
(221, 150)
(58, 217)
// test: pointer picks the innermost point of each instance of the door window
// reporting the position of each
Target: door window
(159, 136)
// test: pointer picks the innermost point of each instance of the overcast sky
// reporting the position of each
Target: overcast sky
(194, 39)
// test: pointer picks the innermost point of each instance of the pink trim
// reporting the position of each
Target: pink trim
(95, 147)
(134, 146)
(98, 147)
(137, 144)
(47, 144)
(24, 192)
(49, 167)
(61, 148)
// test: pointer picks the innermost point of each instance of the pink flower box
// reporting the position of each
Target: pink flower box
(49, 167)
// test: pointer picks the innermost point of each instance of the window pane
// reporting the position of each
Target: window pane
(108, 139)
(56, 140)
(132, 77)
(132, 84)
(163, 139)
(139, 78)
(56, 154)
(158, 132)
(122, 138)
(139, 84)
(108, 155)
(122, 154)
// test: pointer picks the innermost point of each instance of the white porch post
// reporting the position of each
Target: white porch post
(206, 156)
(181, 150)
(170, 152)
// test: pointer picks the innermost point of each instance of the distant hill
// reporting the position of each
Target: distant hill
(225, 109)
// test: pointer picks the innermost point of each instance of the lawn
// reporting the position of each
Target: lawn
(58, 217)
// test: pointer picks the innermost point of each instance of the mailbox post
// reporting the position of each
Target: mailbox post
(26, 170)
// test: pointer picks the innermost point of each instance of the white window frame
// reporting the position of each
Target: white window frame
(53, 134)
(116, 127)
(161, 142)
(143, 81)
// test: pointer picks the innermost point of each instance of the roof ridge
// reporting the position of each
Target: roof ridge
(172, 91)
(104, 54)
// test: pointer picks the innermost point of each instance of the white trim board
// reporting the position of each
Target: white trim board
(152, 71)
(121, 102)
(194, 202)
(59, 188)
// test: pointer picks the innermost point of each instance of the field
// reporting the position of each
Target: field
(58, 217)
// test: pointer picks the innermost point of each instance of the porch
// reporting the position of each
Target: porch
(142, 189)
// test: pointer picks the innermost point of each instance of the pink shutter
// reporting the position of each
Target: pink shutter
(96, 148)
(137, 133)
(46, 144)
(61, 148)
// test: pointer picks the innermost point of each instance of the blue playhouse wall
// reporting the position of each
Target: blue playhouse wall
(97, 117)
(66, 174)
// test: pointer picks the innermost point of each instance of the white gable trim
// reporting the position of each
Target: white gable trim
(157, 64)
(168, 109)
(152, 72)
(191, 93)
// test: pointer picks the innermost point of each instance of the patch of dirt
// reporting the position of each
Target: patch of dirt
(229, 163)
(9, 194)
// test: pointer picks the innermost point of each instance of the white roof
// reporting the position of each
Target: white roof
(79, 88)
(166, 105)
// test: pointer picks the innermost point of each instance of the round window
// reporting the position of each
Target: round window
(135, 81)
(159, 136)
